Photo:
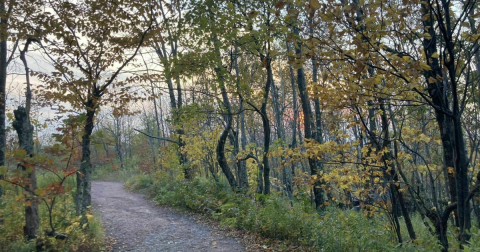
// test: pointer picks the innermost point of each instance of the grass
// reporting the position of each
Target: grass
(273, 217)
(80, 238)
(107, 173)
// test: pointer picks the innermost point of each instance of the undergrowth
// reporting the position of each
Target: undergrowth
(296, 223)
(80, 238)
(112, 173)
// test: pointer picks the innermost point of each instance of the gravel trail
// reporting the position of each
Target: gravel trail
(136, 224)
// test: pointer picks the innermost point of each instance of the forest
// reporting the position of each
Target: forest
(315, 125)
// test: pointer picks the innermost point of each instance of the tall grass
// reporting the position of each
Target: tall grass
(108, 173)
(274, 217)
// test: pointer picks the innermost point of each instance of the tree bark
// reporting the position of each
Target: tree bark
(388, 158)
(118, 140)
(242, 164)
(24, 130)
(437, 92)
(266, 126)
(25, 137)
(307, 116)
(317, 133)
(220, 150)
(3, 82)
(286, 174)
(84, 176)
(295, 111)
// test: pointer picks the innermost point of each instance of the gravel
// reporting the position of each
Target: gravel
(136, 224)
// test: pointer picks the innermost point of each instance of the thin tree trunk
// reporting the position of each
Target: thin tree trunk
(3, 82)
(84, 182)
(295, 111)
(118, 141)
(220, 151)
(388, 158)
(307, 116)
(286, 174)
(317, 133)
(439, 98)
(24, 130)
(242, 164)
(266, 127)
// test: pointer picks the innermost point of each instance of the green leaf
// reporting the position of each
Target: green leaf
(3, 170)
(39, 191)
(3, 183)
(98, 147)
(20, 153)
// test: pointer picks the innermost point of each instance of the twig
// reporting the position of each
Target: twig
(160, 138)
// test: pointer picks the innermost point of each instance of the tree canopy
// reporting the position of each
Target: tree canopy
(371, 104)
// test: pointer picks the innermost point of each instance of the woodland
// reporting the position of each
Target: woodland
(328, 125)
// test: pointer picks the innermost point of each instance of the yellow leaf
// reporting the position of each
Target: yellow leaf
(451, 170)
(39, 191)
(315, 5)
(425, 66)
(435, 55)
(73, 248)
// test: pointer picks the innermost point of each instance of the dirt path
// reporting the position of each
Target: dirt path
(138, 225)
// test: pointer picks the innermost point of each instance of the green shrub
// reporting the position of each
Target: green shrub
(88, 238)
(274, 217)
(139, 182)
(110, 173)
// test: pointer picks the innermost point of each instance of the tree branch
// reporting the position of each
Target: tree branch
(160, 138)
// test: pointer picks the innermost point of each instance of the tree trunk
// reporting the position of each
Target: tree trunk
(84, 176)
(242, 164)
(307, 116)
(221, 159)
(24, 130)
(175, 103)
(295, 112)
(266, 127)
(459, 150)
(3, 82)
(388, 158)
(437, 92)
(25, 137)
(286, 174)
(118, 141)
(317, 133)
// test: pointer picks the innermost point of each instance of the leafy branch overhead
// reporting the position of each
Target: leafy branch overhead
(277, 117)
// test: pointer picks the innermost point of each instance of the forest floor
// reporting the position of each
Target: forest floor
(134, 223)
